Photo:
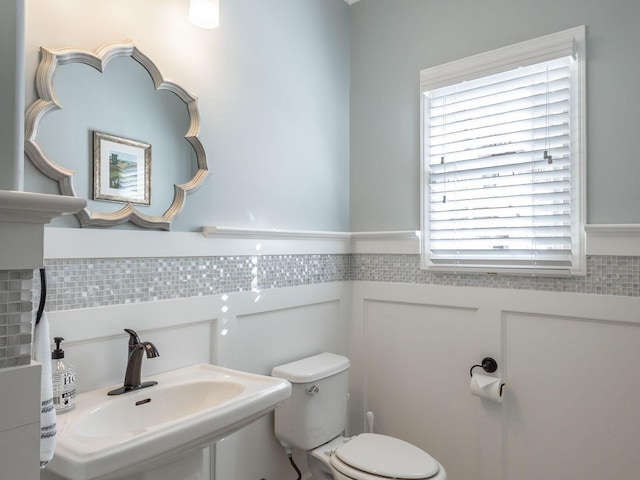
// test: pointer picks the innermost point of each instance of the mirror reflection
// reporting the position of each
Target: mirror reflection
(121, 103)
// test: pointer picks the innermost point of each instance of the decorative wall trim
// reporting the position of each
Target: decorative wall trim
(273, 234)
(90, 283)
(91, 243)
(617, 240)
(602, 239)
(612, 239)
(606, 275)
(402, 241)
(15, 317)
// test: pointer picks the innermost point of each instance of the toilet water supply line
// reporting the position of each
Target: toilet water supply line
(293, 464)
(370, 419)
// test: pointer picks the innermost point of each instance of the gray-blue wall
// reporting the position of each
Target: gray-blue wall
(273, 89)
(310, 108)
(391, 41)
(11, 107)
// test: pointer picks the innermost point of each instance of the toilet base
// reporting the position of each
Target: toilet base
(318, 470)
(318, 459)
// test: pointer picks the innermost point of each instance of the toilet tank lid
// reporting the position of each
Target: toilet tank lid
(312, 368)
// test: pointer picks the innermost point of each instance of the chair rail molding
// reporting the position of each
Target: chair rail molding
(619, 240)
(613, 239)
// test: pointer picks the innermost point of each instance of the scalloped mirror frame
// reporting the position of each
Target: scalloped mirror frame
(47, 102)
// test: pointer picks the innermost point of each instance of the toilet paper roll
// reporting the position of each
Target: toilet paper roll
(485, 386)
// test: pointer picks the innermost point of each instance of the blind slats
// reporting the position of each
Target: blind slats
(536, 93)
(500, 79)
(493, 151)
(508, 163)
(498, 166)
(503, 123)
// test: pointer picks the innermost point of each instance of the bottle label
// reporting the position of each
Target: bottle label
(64, 390)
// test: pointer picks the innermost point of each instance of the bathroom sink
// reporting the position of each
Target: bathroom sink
(129, 415)
(108, 437)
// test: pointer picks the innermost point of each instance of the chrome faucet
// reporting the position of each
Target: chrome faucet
(134, 364)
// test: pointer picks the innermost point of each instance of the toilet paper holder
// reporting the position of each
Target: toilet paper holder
(488, 364)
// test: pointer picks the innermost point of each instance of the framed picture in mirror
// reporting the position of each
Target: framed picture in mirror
(122, 169)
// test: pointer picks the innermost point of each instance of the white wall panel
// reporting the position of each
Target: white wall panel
(246, 331)
(20, 422)
(265, 340)
(417, 380)
(570, 364)
(288, 334)
(571, 410)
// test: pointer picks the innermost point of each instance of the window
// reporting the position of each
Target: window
(503, 160)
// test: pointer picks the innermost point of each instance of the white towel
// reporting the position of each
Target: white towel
(42, 354)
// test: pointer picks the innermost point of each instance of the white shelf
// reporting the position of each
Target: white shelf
(22, 219)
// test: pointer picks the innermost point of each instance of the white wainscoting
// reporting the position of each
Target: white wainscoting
(239, 330)
(573, 399)
(264, 340)
(20, 422)
(570, 363)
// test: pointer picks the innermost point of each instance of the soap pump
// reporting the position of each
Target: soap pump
(63, 379)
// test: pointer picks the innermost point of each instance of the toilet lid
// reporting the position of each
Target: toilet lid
(387, 457)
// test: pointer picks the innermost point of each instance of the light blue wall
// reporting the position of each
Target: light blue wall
(273, 89)
(11, 107)
(279, 108)
(393, 40)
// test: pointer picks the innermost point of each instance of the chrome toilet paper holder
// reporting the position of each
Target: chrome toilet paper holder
(488, 364)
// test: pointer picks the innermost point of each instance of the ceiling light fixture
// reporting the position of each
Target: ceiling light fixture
(205, 13)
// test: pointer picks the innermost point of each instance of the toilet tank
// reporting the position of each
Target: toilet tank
(316, 412)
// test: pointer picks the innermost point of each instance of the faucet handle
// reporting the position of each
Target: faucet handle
(133, 337)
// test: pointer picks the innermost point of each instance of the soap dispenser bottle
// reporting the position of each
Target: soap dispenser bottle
(64, 380)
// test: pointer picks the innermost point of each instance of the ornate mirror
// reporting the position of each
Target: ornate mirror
(118, 134)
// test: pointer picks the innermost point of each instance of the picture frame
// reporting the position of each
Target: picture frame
(122, 169)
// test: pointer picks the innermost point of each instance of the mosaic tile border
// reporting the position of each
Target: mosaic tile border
(15, 317)
(87, 283)
(606, 275)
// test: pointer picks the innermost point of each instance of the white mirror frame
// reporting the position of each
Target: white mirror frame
(47, 101)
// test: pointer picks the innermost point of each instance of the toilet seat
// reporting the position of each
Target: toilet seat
(371, 456)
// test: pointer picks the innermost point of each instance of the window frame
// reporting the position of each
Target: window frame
(541, 49)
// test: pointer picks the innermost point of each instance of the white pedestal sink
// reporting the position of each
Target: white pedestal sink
(110, 437)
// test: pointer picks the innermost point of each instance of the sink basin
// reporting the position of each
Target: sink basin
(129, 416)
(108, 437)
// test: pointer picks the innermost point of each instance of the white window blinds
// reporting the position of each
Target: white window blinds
(499, 174)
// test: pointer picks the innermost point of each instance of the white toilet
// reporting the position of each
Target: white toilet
(314, 417)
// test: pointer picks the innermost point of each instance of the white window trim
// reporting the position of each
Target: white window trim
(567, 42)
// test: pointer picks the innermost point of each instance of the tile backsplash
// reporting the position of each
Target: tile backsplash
(606, 275)
(15, 317)
(88, 283)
